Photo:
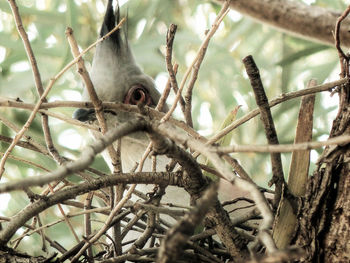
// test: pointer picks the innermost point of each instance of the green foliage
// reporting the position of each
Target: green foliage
(286, 64)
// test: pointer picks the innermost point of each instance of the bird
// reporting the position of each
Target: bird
(116, 77)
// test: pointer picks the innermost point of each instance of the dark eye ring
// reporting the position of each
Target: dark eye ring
(138, 94)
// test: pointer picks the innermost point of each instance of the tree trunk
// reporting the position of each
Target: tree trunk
(324, 213)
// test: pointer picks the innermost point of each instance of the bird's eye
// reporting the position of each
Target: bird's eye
(138, 94)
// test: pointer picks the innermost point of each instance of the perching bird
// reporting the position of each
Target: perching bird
(117, 78)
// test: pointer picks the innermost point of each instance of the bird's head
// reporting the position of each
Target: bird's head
(115, 75)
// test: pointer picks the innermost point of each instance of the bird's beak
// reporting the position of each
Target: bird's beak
(84, 115)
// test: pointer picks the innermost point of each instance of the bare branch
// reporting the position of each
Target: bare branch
(269, 126)
(344, 68)
(177, 236)
(199, 54)
(25, 127)
(71, 192)
(305, 21)
(284, 148)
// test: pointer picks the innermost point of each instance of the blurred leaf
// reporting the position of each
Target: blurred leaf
(302, 53)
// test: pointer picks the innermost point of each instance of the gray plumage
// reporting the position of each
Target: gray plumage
(117, 78)
(114, 70)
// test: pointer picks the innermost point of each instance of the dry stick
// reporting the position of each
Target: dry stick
(42, 234)
(284, 148)
(87, 221)
(25, 127)
(39, 86)
(5, 102)
(33, 145)
(176, 238)
(30, 140)
(65, 217)
(85, 159)
(213, 157)
(155, 114)
(205, 43)
(269, 126)
(281, 98)
(32, 225)
(160, 106)
(169, 65)
(53, 244)
(103, 210)
(40, 205)
(115, 210)
(195, 183)
(163, 98)
(344, 69)
(196, 67)
(93, 96)
(26, 162)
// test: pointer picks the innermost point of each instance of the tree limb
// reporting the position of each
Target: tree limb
(306, 21)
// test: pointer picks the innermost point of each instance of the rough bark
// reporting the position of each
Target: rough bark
(324, 227)
(310, 22)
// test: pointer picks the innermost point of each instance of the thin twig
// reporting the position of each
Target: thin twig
(197, 65)
(172, 245)
(65, 217)
(25, 127)
(165, 94)
(115, 159)
(279, 99)
(158, 115)
(199, 52)
(169, 65)
(37, 79)
(284, 148)
(87, 220)
(218, 163)
(40, 205)
(344, 69)
(103, 229)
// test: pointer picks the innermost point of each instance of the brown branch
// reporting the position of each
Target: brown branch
(25, 127)
(176, 238)
(196, 66)
(209, 152)
(269, 126)
(163, 98)
(68, 193)
(87, 221)
(199, 52)
(109, 219)
(86, 159)
(115, 158)
(158, 115)
(169, 65)
(38, 83)
(310, 22)
(344, 69)
(285, 148)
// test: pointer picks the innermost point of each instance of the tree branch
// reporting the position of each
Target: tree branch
(306, 21)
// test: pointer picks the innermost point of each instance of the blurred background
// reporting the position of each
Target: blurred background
(286, 64)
